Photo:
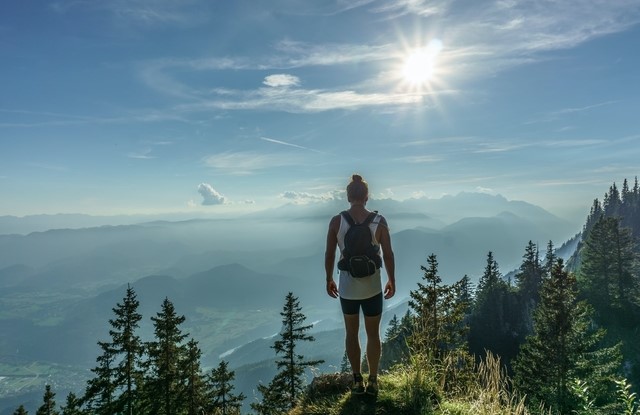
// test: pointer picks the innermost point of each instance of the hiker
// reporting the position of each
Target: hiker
(356, 289)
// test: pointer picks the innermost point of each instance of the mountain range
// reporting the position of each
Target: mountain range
(228, 276)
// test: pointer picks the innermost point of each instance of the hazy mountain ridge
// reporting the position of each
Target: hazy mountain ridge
(230, 276)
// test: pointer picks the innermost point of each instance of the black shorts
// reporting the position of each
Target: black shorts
(370, 306)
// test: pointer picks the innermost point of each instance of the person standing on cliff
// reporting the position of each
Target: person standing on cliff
(356, 291)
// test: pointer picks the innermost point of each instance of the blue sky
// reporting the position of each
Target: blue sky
(151, 106)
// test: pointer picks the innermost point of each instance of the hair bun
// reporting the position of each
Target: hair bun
(356, 178)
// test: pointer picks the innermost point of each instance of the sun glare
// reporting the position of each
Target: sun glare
(419, 64)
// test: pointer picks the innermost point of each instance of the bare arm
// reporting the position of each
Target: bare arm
(384, 238)
(330, 256)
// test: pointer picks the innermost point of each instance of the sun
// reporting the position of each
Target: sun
(420, 63)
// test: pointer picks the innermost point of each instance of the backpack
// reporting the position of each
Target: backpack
(360, 256)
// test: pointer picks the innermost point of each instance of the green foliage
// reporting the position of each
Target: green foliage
(439, 311)
(564, 345)
(73, 405)
(221, 398)
(194, 396)
(585, 405)
(112, 390)
(48, 406)
(627, 398)
(285, 388)
(395, 348)
(165, 381)
(495, 318)
(21, 411)
(415, 388)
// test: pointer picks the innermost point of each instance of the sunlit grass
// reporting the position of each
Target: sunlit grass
(417, 388)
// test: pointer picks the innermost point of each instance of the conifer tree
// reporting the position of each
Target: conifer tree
(549, 259)
(289, 381)
(72, 406)
(494, 318)
(528, 280)
(165, 382)
(119, 365)
(99, 394)
(48, 406)
(562, 348)
(608, 273)
(21, 411)
(345, 366)
(438, 313)
(221, 399)
(529, 276)
(129, 348)
(195, 389)
(393, 329)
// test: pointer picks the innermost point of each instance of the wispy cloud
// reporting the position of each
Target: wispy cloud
(582, 109)
(142, 155)
(283, 143)
(248, 162)
(419, 159)
(483, 38)
(560, 113)
(139, 12)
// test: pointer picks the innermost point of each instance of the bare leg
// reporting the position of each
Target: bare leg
(352, 342)
(372, 327)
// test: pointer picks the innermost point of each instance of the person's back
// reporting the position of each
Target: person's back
(361, 291)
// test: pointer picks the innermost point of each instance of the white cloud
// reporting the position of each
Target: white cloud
(486, 190)
(305, 197)
(281, 80)
(142, 155)
(210, 196)
(482, 39)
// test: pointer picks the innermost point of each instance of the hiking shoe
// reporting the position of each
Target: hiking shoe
(357, 388)
(372, 387)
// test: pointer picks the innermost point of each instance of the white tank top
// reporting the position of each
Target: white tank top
(358, 288)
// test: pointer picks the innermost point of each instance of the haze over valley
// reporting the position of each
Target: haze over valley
(228, 276)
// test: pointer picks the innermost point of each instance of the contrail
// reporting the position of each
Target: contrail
(271, 140)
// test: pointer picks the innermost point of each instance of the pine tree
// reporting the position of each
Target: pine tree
(426, 307)
(72, 406)
(195, 389)
(438, 313)
(21, 411)
(99, 394)
(165, 382)
(529, 276)
(393, 329)
(528, 281)
(289, 382)
(608, 276)
(345, 366)
(494, 319)
(562, 348)
(129, 347)
(549, 259)
(48, 406)
(221, 398)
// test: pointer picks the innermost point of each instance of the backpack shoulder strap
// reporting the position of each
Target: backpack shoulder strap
(371, 217)
(347, 217)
